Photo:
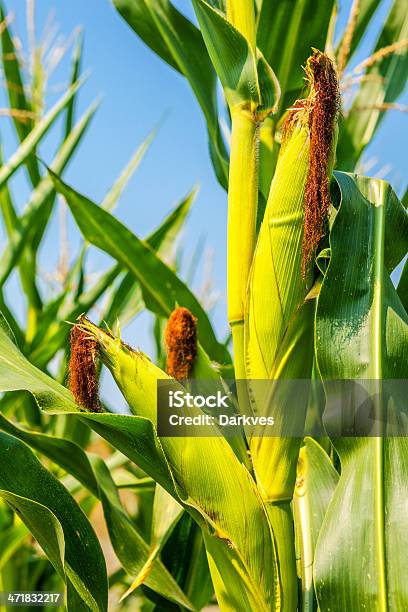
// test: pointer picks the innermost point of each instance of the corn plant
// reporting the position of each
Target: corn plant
(282, 522)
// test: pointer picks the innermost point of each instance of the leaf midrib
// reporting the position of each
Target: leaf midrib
(377, 370)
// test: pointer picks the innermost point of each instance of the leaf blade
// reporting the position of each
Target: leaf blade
(161, 287)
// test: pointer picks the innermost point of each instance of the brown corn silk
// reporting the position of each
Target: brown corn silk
(83, 379)
(181, 343)
(323, 105)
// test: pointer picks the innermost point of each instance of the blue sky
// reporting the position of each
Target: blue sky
(138, 91)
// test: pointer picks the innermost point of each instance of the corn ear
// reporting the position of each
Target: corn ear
(277, 291)
(278, 329)
(211, 482)
(279, 322)
(186, 359)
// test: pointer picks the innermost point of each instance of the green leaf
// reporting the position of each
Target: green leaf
(315, 485)
(13, 226)
(403, 286)
(186, 556)
(162, 239)
(75, 73)
(30, 142)
(16, 373)
(162, 289)
(131, 549)
(10, 541)
(126, 300)
(385, 84)
(231, 56)
(39, 199)
(141, 18)
(127, 297)
(15, 327)
(362, 333)
(42, 523)
(235, 62)
(56, 521)
(16, 93)
(110, 200)
(176, 40)
(8, 209)
(64, 453)
(287, 31)
(133, 436)
(53, 331)
(133, 552)
(166, 513)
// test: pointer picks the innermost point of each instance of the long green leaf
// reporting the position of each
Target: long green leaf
(56, 522)
(133, 435)
(16, 93)
(112, 197)
(10, 541)
(131, 549)
(127, 298)
(15, 327)
(166, 514)
(162, 289)
(16, 373)
(362, 333)
(30, 142)
(75, 73)
(50, 336)
(287, 30)
(176, 40)
(26, 267)
(39, 198)
(8, 209)
(387, 79)
(315, 484)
